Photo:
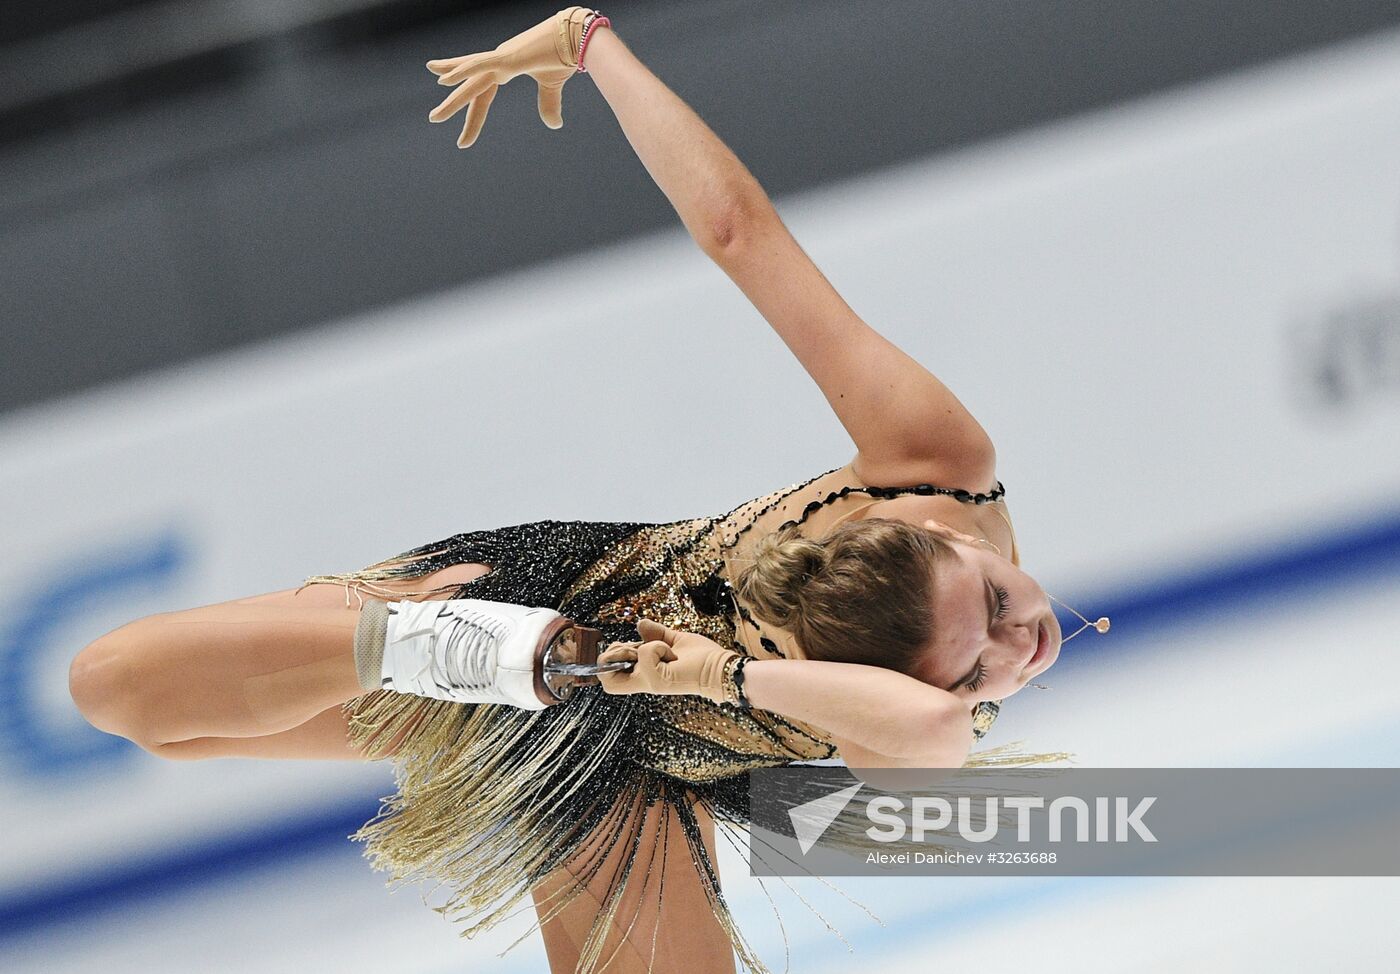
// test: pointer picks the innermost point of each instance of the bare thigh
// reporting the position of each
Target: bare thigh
(651, 932)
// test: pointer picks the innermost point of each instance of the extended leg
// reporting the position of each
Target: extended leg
(218, 670)
(246, 668)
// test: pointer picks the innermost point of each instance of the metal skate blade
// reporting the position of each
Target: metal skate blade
(588, 669)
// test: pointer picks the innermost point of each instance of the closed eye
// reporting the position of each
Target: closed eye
(1003, 601)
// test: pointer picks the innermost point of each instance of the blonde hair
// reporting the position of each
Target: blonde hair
(861, 594)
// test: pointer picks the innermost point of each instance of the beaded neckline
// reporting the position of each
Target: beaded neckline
(881, 493)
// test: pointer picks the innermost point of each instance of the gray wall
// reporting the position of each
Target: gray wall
(147, 222)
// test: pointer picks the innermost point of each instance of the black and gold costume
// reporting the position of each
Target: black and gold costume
(491, 798)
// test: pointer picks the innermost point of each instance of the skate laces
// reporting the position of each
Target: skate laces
(463, 655)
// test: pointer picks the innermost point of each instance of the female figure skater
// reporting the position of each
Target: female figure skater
(878, 611)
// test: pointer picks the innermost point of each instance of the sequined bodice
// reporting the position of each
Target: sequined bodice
(691, 566)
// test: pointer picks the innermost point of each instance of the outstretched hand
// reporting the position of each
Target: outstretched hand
(547, 52)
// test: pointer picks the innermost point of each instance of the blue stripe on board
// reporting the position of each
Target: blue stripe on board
(278, 842)
(1305, 565)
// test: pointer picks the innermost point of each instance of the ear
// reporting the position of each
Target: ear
(943, 530)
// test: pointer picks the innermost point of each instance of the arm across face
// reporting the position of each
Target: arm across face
(878, 717)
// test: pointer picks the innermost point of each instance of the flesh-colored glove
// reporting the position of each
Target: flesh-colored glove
(547, 52)
(668, 662)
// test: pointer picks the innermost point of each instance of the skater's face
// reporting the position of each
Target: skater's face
(994, 628)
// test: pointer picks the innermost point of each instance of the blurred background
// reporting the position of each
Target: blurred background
(262, 320)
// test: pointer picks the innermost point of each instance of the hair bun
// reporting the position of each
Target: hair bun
(783, 564)
(862, 593)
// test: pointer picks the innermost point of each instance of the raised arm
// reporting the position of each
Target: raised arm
(907, 425)
(702, 178)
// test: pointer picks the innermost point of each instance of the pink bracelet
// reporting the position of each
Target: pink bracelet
(598, 20)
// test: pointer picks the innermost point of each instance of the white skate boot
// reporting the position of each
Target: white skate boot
(479, 651)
